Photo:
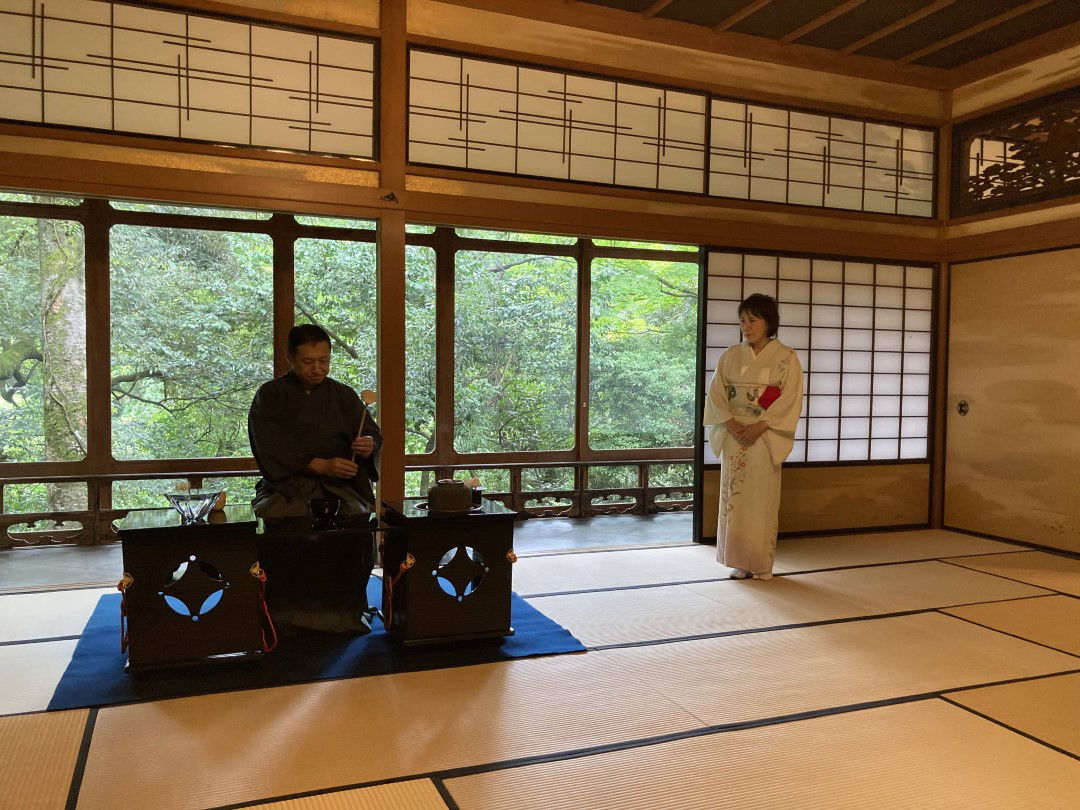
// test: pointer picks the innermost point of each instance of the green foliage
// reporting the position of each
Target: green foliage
(419, 349)
(515, 323)
(642, 363)
(191, 339)
(29, 282)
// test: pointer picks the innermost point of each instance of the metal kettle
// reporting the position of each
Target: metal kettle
(449, 495)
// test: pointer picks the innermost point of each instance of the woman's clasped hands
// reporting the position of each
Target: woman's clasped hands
(746, 435)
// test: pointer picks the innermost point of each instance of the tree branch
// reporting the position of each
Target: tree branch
(336, 338)
(675, 290)
(499, 268)
(135, 376)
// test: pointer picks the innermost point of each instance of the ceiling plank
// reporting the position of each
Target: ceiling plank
(656, 8)
(903, 22)
(817, 22)
(1031, 5)
(609, 21)
(741, 14)
(1022, 52)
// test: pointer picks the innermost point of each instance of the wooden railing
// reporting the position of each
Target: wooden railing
(92, 526)
(580, 500)
(95, 524)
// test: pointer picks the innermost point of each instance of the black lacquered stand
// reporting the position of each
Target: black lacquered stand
(317, 578)
(457, 586)
(192, 597)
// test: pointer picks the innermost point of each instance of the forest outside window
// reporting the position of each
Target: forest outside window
(191, 339)
(42, 352)
(515, 351)
(642, 353)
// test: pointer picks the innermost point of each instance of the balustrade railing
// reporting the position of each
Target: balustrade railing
(94, 525)
(580, 499)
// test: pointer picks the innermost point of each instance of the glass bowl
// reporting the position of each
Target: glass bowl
(195, 505)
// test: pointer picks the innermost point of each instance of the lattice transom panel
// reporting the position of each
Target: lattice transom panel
(774, 154)
(123, 68)
(497, 117)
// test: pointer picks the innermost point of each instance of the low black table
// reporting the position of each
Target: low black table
(189, 590)
(316, 579)
(458, 585)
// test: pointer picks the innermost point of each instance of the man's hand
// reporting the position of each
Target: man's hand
(363, 446)
(333, 467)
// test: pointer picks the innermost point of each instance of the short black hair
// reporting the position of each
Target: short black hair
(763, 306)
(304, 333)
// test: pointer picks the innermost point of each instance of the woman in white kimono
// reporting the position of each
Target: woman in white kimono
(753, 407)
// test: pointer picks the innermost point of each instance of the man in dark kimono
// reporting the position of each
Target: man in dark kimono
(313, 439)
(305, 433)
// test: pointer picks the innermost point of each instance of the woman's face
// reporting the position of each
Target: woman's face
(754, 328)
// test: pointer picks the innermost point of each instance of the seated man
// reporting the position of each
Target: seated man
(306, 436)
(313, 439)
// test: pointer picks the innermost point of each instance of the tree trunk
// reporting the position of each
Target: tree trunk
(63, 340)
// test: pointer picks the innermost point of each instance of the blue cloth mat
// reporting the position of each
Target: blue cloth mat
(95, 676)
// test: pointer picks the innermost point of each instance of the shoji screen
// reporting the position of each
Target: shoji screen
(862, 331)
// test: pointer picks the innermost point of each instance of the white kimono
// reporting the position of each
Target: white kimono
(750, 476)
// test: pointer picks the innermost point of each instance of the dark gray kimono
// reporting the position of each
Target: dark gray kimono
(288, 427)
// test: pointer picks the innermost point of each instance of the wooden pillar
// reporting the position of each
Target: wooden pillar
(940, 350)
(98, 364)
(391, 274)
(282, 232)
(444, 340)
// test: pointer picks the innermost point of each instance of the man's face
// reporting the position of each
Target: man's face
(311, 363)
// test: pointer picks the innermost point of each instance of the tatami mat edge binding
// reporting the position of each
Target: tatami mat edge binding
(1050, 620)
(307, 737)
(922, 754)
(440, 777)
(1046, 709)
(644, 567)
(607, 618)
(1054, 572)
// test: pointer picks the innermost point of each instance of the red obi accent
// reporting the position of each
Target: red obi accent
(769, 396)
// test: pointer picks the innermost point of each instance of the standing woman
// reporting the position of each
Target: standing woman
(754, 403)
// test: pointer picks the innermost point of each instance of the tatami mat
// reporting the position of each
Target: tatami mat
(46, 615)
(37, 758)
(416, 794)
(29, 674)
(1037, 567)
(813, 553)
(917, 755)
(758, 675)
(1050, 620)
(613, 569)
(622, 616)
(1047, 709)
(218, 749)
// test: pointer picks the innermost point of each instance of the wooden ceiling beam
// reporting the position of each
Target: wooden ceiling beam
(656, 8)
(933, 47)
(741, 14)
(817, 22)
(903, 22)
(1059, 39)
(591, 17)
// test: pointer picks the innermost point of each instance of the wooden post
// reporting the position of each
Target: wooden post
(939, 356)
(391, 250)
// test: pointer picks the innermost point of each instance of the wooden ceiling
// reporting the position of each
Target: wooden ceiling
(941, 34)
